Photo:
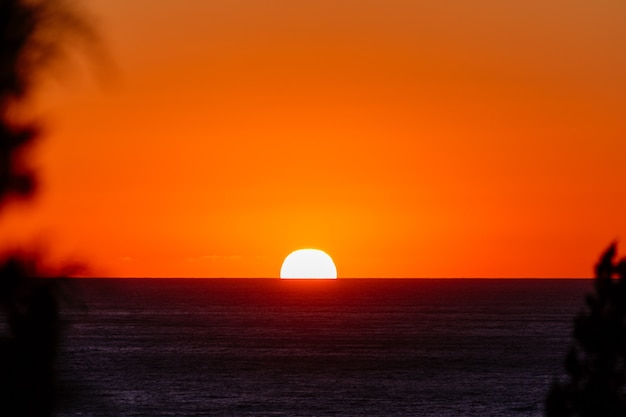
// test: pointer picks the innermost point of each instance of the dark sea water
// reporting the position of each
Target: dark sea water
(261, 347)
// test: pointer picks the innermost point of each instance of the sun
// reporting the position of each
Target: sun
(308, 263)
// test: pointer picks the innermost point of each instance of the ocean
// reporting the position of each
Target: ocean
(346, 347)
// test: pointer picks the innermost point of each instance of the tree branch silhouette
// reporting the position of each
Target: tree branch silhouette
(34, 36)
(596, 363)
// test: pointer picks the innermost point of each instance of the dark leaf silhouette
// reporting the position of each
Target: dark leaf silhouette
(596, 363)
(33, 36)
(28, 349)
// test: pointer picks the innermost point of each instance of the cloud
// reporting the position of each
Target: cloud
(216, 258)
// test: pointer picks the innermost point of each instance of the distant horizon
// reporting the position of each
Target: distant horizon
(344, 278)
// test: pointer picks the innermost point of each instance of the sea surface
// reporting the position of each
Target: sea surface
(365, 347)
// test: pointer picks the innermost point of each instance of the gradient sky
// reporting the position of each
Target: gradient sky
(404, 138)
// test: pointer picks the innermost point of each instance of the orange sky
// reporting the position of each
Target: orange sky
(404, 138)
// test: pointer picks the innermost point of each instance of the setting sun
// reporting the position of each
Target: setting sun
(308, 263)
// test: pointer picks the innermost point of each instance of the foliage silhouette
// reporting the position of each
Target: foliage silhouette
(596, 363)
(33, 36)
(28, 351)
